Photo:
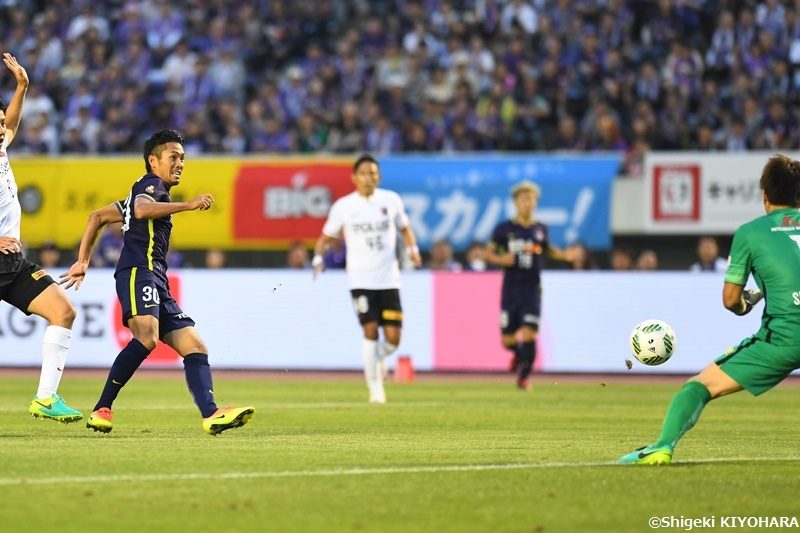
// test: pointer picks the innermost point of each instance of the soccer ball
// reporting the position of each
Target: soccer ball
(652, 342)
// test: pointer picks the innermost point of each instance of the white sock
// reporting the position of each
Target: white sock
(385, 349)
(369, 351)
(55, 344)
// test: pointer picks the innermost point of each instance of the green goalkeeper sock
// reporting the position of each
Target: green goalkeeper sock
(683, 412)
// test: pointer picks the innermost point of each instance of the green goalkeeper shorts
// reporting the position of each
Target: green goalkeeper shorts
(757, 365)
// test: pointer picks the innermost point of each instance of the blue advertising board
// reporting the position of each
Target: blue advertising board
(461, 199)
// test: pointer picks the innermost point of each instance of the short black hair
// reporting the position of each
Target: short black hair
(156, 140)
(363, 158)
(780, 181)
(3, 105)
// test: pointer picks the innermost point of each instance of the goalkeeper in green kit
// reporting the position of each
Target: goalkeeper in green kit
(769, 249)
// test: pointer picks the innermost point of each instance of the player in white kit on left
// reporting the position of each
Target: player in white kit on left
(24, 284)
(370, 219)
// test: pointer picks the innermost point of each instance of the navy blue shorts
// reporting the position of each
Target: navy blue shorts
(518, 309)
(141, 292)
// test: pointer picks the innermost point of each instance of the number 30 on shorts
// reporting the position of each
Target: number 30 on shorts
(150, 294)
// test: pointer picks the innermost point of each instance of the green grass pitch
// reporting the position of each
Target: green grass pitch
(442, 455)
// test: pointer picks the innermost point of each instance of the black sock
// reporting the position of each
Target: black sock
(198, 378)
(526, 352)
(121, 371)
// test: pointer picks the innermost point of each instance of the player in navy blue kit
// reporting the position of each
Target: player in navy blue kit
(518, 245)
(148, 308)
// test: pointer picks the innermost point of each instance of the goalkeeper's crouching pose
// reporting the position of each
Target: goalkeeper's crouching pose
(769, 249)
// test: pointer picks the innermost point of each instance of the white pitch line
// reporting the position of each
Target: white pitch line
(354, 471)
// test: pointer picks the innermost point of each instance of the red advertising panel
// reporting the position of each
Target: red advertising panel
(676, 192)
(284, 203)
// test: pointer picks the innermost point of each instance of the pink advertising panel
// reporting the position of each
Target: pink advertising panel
(466, 330)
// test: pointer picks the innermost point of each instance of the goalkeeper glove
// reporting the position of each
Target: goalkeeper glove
(750, 298)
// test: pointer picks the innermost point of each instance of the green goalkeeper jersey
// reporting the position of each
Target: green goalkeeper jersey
(769, 248)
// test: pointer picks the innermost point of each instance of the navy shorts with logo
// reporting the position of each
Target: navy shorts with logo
(520, 309)
(141, 292)
(21, 281)
(381, 306)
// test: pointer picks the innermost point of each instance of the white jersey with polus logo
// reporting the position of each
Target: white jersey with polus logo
(370, 227)
(10, 211)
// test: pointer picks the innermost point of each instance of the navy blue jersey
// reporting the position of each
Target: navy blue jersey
(528, 243)
(145, 242)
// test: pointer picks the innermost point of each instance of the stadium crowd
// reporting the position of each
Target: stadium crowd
(274, 76)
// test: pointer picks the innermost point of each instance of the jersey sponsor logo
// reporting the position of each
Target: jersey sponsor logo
(787, 224)
(370, 227)
(39, 274)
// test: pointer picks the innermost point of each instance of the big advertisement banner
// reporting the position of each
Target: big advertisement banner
(461, 199)
(270, 203)
(698, 193)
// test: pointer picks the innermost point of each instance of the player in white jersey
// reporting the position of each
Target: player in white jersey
(24, 284)
(370, 219)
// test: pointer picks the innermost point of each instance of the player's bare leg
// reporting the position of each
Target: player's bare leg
(372, 369)
(187, 342)
(716, 381)
(54, 306)
(145, 337)
(391, 340)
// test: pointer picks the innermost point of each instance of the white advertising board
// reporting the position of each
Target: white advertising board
(699, 193)
(588, 317)
(281, 319)
(247, 318)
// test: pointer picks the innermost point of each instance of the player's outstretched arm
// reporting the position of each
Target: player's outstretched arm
(97, 221)
(410, 241)
(567, 255)
(318, 263)
(14, 111)
(146, 208)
